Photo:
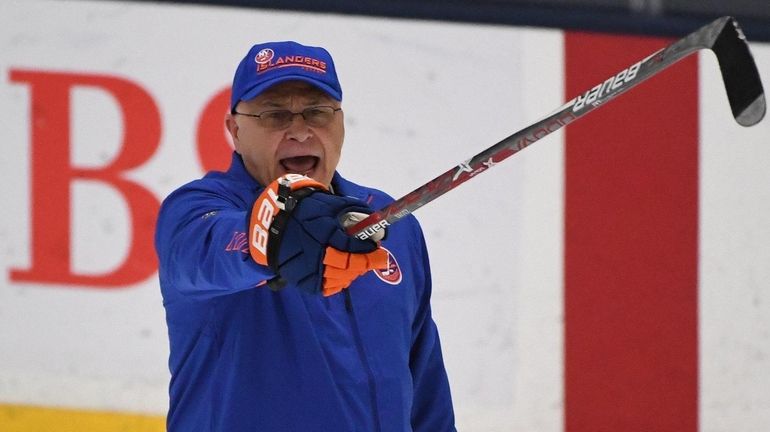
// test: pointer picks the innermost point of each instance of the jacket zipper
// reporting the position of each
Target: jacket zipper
(364, 360)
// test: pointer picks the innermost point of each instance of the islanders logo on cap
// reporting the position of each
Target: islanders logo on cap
(264, 56)
(267, 60)
(392, 274)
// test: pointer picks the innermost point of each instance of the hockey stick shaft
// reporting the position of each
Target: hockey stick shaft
(739, 73)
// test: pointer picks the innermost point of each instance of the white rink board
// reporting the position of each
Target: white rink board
(734, 262)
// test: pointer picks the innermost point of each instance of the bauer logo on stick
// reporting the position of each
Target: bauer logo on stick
(595, 95)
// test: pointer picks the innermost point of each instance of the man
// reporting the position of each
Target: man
(305, 328)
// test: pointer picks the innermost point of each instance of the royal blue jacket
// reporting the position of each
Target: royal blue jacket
(245, 358)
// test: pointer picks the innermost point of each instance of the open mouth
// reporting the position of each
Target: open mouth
(299, 164)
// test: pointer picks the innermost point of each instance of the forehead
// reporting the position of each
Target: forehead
(285, 91)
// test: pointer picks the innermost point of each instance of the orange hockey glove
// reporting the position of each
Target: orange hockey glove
(342, 268)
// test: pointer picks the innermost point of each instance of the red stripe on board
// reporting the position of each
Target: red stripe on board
(631, 233)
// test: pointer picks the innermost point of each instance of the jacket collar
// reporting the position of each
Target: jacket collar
(344, 187)
(238, 172)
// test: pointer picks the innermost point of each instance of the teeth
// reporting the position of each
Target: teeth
(288, 171)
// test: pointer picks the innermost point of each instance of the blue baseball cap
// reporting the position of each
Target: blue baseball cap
(271, 63)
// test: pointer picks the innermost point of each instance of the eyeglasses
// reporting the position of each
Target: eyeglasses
(316, 116)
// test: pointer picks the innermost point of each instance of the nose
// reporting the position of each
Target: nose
(298, 129)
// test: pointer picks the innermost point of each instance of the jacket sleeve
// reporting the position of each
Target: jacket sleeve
(201, 244)
(432, 406)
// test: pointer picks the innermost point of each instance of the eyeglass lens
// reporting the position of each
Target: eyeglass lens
(314, 116)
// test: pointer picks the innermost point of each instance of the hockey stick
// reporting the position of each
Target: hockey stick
(723, 36)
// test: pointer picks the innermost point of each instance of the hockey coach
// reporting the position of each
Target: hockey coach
(277, 319)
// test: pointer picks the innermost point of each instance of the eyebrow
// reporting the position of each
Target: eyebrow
(273, 104)
(281, 102)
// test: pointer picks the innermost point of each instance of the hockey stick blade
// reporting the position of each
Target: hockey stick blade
(740, 74)
(723, 37)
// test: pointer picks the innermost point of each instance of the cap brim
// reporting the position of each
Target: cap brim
(257, 90)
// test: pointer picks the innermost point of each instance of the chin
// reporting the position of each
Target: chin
(325, 179)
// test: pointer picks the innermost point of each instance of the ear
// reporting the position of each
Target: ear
(232, 128)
